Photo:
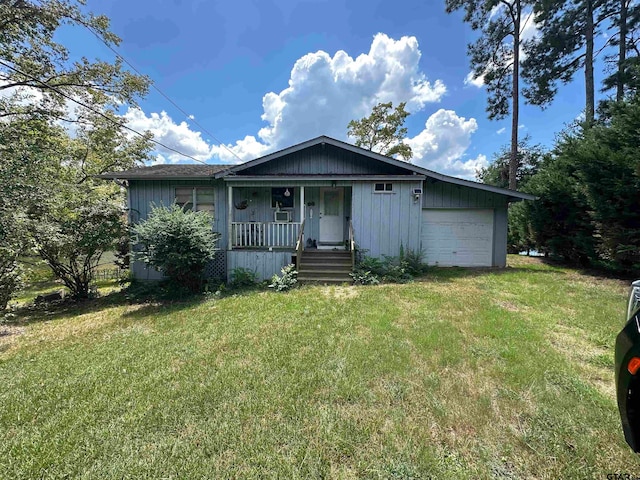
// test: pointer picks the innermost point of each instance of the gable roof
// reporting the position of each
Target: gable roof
(195, 171)
(323, 139)
(157, 172)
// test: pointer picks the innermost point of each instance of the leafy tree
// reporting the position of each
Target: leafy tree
(11, 270)
(495, 56)
(179, 243)
(73, 235)
(529, 160)
(530, 157)
(32, 60)
(568, 29)
(383, 131)
(46, 171)
(27, 149)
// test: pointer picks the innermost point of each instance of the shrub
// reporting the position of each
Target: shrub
(364, 277)
(414, 262)
(242, 277)
(288, 280)
(388, 269)
(178, 242)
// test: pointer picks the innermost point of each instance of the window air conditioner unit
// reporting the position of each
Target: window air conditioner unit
(282, 216)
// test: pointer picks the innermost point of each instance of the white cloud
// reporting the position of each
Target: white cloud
(529, 32)
(501, 130)
(470, 79)
(175, 135)
(245, 149)
(443, 142)
(325, 92)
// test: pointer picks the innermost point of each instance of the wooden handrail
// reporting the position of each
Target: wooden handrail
(352, 244)
(300, 245)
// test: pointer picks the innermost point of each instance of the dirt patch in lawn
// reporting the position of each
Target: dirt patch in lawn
(340, 293)
(573, 344)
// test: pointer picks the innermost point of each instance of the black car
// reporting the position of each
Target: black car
(628, 370)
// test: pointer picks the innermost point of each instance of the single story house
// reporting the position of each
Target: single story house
(314, 202)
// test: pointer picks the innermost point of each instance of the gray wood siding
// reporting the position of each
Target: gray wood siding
(500, 223)
(142, 194)
(264, 263)
(259, 199)
(325, 159)
(448, 195)
(384, 221)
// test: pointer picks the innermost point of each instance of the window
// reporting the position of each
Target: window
(383, 187)
(282, 197)
(195, 198)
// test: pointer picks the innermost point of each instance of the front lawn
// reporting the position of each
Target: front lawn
(463, 374)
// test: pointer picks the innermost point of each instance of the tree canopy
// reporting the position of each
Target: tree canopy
(383, 131)
(60, 127)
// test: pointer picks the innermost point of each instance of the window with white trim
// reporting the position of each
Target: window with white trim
(196, 198)
(383, 187)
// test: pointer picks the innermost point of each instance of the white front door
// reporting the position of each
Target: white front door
(331, 216)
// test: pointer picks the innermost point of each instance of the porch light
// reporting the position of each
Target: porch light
(287, 193)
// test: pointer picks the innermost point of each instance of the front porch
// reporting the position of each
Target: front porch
(287, 217)
(273, 225)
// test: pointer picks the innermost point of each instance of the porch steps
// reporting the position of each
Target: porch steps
(325, 266)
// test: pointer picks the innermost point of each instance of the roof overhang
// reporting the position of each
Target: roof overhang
(301, 178)
(416, 170)
(117, 176)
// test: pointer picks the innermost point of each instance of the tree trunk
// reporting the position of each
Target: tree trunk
(515, 98)
(588, 65)
(622, 51)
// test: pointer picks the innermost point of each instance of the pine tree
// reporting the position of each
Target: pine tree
(495, 57)
(568, 29)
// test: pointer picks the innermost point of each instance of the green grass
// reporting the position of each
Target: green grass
(463, 374)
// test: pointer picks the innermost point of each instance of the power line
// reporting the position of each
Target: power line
(187, 115)
(121, 125)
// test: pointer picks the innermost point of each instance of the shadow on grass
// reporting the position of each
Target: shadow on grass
(149, 304)
(452, 273)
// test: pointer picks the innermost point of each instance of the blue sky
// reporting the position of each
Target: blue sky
(262, 75)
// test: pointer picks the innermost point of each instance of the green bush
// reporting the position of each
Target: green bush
(178, 242)
(387, 269)
(414, 262)
(287, 281)
(364, 277)
(243, 277)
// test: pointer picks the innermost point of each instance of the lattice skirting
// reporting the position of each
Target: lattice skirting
(217, 268)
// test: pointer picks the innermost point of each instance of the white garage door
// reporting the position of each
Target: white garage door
(462, 238)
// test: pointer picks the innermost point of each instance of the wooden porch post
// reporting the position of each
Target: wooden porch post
(229, 217)
(302, 209)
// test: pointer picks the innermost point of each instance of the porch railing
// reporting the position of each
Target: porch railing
(352, 244)
(264, 234)
(300, 246)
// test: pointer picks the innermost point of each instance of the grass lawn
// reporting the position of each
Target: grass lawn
(463, 374)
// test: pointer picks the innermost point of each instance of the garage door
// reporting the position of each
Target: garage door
(462, 238)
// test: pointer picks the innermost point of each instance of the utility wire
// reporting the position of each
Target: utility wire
(122, 125)
(187, 115)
